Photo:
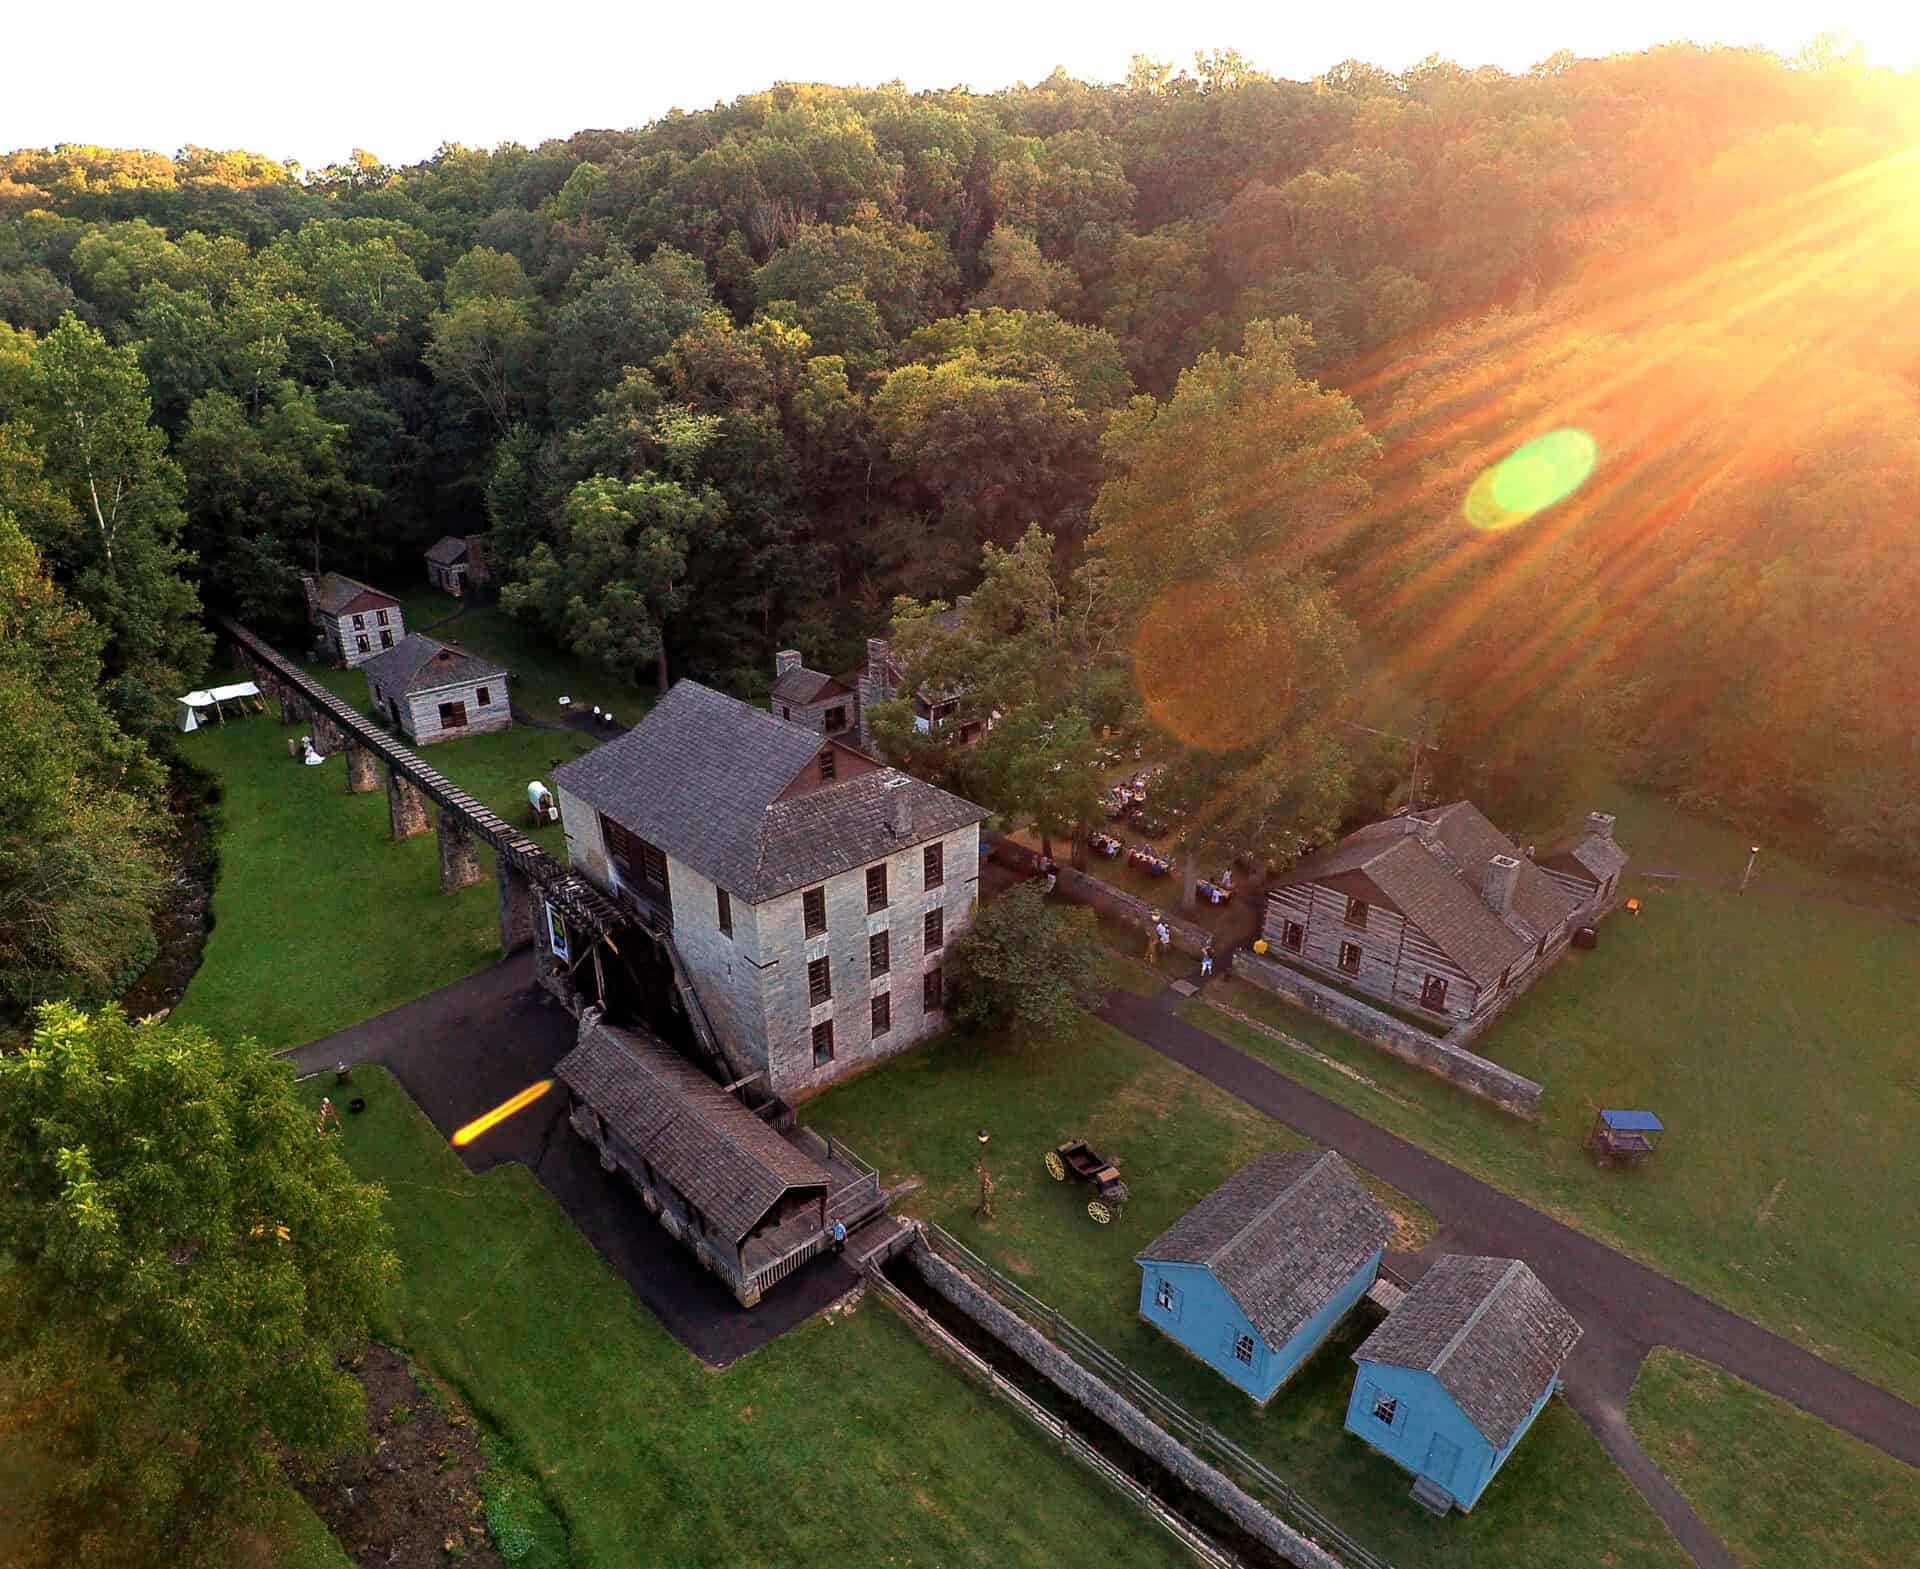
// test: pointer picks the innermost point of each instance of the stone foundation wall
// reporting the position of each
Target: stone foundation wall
(1105, 899)
(1146, 1435)
(1444, 1058)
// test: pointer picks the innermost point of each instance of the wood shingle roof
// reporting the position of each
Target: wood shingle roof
(446, 550)
(339, 595)
(423, 664)
(1436, 880)
(729, 1164)
(801, 685)
(1488, 1331)
(702, 775)
(1283, 1234)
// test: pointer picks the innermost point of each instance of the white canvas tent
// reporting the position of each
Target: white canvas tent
(192, 710)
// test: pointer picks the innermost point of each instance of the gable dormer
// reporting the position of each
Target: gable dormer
(832, 764)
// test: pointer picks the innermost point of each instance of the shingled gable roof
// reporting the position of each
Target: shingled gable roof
(1591, 856)
(1488, 1330)
(1283, 1234)
(1437, 885)
(338, 595)
(446, 550)
(422, 664)
(801, 685)
(731, 1166)
(702, 775)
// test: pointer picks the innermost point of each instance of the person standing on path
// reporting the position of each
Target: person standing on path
(1206, 960)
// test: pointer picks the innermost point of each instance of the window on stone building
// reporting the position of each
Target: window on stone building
(823, 1043)
(882, 1013)
(813, 908)
(879, 961)
(1433, 993)
(1293, 936)
(386, 640)
(933, 866)
(483, 697)
(1501, 984)
(1350, 957)
(637, 860)
(836, 719)
(877, 887)
(725, 910)
(935, 926)
(1243, 1349)
(819, 981)
(453, 716)
(362, 644)
(359, 622)
(785, 712)
(826, 765)
(930, 990)
(1356, 912)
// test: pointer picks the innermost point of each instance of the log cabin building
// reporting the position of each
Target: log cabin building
(1439, 914)
(432, 691)
(352, 621)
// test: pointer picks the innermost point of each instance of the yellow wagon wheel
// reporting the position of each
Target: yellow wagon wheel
(1056, 1167)
(1099, 1211)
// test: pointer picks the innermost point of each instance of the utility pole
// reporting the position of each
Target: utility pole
(1413, 782)
(1753, 854)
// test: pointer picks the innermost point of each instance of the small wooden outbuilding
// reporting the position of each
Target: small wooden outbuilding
(457, 562)
(747, 1204)
(1255, 1276)
(1458, 1372)
(433, 691)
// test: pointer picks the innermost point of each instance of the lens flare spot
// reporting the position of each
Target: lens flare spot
(1214, 664)
(1530, 479)
(500, 1113)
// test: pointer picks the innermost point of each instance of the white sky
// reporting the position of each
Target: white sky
(312, 81)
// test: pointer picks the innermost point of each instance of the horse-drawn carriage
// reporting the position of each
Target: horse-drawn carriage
(1077, 1157)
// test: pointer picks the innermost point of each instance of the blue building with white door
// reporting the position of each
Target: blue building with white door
(1255, 1276)
(1458, 1372)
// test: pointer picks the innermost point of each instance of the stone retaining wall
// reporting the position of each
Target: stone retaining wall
(1105, 899)
(1146, 1435)
(1445, 1059)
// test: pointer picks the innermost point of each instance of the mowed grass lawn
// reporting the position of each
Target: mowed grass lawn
(541, 674)
(1560, 1502)
(1783, 1490)
(320, 918)
(1776, 1038)
(845, 1442)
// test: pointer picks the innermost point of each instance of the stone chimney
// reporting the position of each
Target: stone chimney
(1600, 824)
(878, 652)
(1496, 887)
(962, 602)
(899, 808)
(1425, 829)
(312, 587)
(787, 659)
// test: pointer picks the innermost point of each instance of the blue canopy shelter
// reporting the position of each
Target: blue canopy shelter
(1628, 1137)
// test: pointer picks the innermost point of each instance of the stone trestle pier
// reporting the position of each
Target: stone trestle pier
(420, 797)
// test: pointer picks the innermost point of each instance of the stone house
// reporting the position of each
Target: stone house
(1255, 1276)
(880, 679)
(1437, 913)
(825, 704)
(810, 891)
(433, 691)
(742, 1199)
(455, 563)
(1451, 1381)
(353, 620)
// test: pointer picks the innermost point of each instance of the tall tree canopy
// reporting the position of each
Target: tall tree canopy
(187, 1259)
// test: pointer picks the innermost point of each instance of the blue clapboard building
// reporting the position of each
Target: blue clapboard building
(1457, 1373)
(1255, 1276)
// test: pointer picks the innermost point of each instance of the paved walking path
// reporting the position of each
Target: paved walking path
(1626, 1308)
(462, 1050)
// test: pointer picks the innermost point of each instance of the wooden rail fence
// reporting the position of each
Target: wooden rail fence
(1175, 1418)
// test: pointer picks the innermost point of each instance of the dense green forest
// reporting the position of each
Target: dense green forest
(1248, 352)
